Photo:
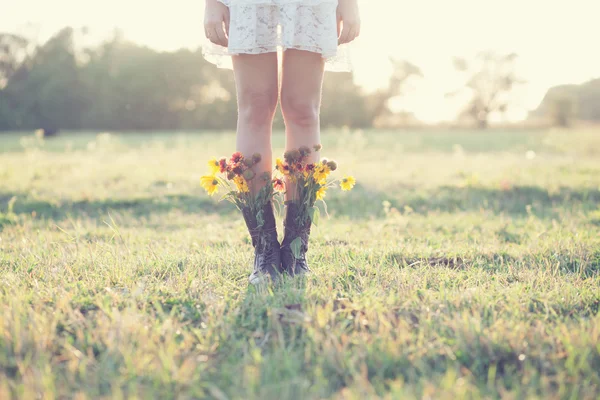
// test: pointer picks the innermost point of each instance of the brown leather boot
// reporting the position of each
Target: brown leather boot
(267, 258)
(294, 264)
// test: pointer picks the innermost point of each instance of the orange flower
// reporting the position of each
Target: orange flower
(278, 185)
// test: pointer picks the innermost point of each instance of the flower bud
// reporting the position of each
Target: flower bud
(287, 156)
(304, 151)
(292, 156)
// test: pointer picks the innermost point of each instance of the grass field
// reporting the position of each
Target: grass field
(463, 265)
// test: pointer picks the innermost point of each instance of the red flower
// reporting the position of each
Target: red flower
(309, 167)
(237, 169)
(278, 185)
(223, 165)
(236, 157)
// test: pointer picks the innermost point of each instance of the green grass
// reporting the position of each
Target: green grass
(459, 267)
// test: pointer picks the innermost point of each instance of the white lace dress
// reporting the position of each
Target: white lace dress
(265, 26)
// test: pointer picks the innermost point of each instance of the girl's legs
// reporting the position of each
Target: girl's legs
(301, 84)
(302, 80)
(256, 81)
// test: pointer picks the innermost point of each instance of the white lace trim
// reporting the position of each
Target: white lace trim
(277, 2)
(265, 26)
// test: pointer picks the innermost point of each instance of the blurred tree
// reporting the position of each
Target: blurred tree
(118, 85)
(13, 54)
(379, 102)
(563, 111)
(588, 101)
(45, 92)
(564, 104)
(136, 88)
(489, 80)
(344, 103)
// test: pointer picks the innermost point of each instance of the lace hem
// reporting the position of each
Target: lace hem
(221, 57)
(277, 2)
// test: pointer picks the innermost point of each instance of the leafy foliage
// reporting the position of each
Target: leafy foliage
(118, 85)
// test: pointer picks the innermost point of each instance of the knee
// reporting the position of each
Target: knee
(299, 111)
(257, 107)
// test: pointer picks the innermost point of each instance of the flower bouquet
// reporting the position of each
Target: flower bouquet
(236, 175)
(302, 181)
(307, 182)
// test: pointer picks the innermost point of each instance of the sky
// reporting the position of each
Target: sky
(556, 40)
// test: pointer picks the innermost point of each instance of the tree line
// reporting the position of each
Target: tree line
(119, 85)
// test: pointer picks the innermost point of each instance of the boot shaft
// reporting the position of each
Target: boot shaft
(292, 228)
(267, 257)
(293, 260)
(268, 229)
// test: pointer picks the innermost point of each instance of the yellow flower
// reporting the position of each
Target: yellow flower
(213, 164)
(241, 184)
(280, 166)
(348, 183)
(321, 173)
(210, 184)
(321, 193)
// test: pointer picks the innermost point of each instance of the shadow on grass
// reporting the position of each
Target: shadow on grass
(516, 201)
(269, 323)
(362, 203)
(565, 263)
(137, 207)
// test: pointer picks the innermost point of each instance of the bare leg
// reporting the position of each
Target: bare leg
(256, 83)
(301, 84)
